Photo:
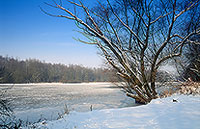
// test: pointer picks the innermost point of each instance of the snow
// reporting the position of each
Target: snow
(55, 83)
(159, 114)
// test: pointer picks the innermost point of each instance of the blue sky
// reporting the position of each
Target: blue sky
(26, 32)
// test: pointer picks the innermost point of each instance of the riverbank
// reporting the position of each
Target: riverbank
(159, 114)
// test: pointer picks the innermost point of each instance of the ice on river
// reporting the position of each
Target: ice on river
(33, 101)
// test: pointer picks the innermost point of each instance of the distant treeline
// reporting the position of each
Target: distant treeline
(33, 71)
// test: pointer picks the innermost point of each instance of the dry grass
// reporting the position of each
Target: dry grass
(185, 88)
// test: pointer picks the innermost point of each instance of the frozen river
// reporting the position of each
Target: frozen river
(34, 101)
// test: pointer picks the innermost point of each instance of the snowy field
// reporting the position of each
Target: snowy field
(159, 114)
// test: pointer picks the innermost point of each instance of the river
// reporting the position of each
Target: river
(31, 102)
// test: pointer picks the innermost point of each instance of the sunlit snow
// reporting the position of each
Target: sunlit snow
(159, 114)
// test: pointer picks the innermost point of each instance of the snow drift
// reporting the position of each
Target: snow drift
(159, 114)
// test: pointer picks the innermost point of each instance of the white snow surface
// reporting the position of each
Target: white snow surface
(159, 114)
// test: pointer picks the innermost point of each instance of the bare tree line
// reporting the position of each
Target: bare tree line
(34, 71)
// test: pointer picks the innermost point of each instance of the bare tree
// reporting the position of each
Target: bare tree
(192, 65)
(134, 36)
(189, 63)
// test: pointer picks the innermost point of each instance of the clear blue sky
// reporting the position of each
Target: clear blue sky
(26, 32)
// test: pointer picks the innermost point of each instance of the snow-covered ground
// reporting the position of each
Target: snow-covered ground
(159, 114)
